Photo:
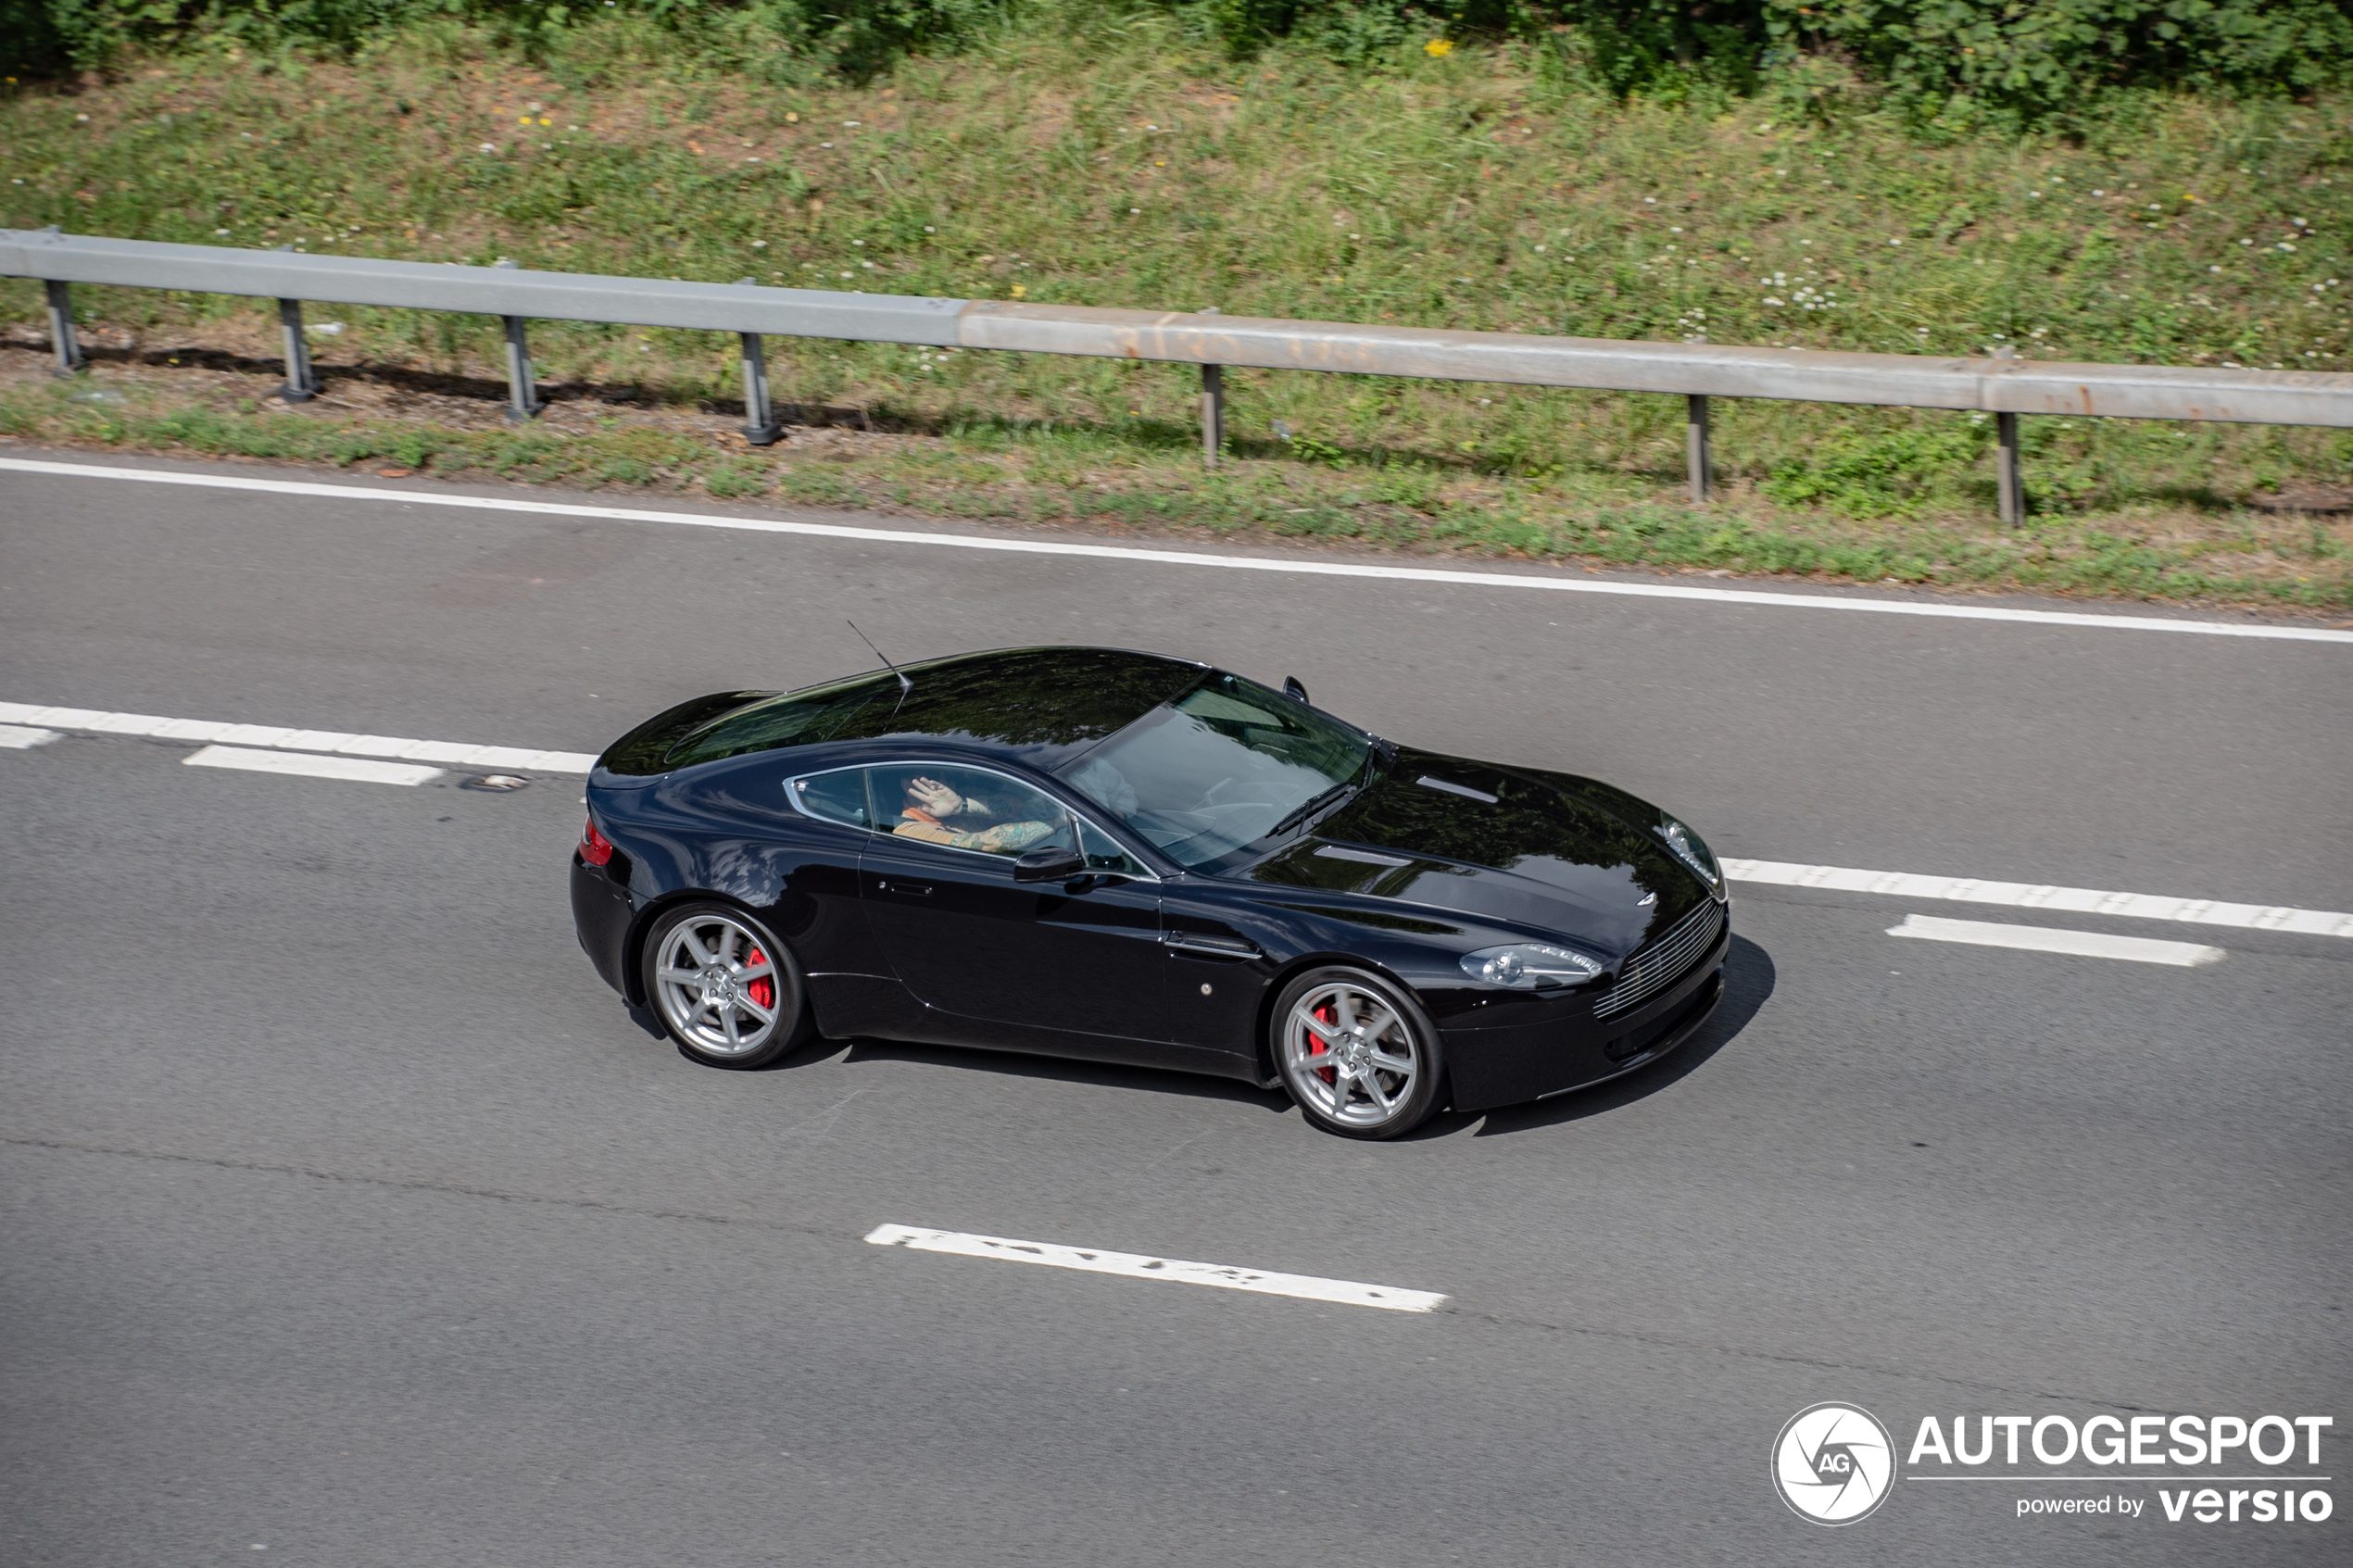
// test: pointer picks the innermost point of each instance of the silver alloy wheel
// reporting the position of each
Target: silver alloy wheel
(1350, 1052)
(717, 985)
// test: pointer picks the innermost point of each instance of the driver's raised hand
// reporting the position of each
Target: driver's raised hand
(934, 796)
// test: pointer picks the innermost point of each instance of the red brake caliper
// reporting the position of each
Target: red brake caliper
(763, 989)
(1316, 1047)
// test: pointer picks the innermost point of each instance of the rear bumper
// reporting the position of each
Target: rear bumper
(1525, 1061)
(601, 913)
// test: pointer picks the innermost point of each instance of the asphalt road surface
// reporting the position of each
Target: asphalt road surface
(348, 1220)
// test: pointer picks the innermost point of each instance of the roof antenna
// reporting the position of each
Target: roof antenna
(905, 686)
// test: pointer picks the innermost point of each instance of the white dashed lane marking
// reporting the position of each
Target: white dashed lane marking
(2036, 895)
(2044, 939)
(454, 754)
(20, 717)
(357, 770)
(1135, 1265)
(19, 736)
(1945, 609)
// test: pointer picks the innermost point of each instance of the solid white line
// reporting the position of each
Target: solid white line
(1185, 557)
(2044, 939)
(454, 753)
(356, 769)
(2031, 896)
(18, 737)
(1134, 1265)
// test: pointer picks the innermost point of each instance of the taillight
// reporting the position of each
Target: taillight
(595, 848)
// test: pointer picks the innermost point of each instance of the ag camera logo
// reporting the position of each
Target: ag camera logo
(1833, 1464)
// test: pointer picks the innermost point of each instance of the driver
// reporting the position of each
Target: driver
(931, 804)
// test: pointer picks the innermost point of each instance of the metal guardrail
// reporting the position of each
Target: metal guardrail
(2003, 386)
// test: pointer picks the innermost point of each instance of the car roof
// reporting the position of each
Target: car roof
(1038, 706)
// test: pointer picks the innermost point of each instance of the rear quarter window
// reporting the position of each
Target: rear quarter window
(837, 797)
(799, 718)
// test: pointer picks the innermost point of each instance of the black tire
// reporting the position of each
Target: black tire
(1386, 1074)
(713, 1009)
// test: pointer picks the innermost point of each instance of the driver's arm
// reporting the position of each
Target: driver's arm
(1003, 839)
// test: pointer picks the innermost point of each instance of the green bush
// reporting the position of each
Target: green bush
(2027, 61)
(1628, 45)
(48, 37)
(2039, 59)
(2031, 61)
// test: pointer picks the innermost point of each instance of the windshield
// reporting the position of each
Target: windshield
(1220, 769)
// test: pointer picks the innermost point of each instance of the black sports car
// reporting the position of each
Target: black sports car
(1088, 852)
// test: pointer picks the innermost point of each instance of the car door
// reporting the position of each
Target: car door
(1079, 958)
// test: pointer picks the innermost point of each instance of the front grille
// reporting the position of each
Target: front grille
(1664, 962)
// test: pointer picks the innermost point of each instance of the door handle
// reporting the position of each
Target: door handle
(914, 889)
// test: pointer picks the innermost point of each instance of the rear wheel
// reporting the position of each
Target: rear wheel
(1356, 1053)
(728, 992)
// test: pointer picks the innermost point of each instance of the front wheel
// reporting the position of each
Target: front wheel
(728, 992)
(1356, 1053)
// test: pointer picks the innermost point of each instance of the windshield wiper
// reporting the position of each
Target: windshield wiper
(1331, 797)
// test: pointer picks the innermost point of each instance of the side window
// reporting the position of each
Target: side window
(1103, 855)
(967, 808)
(838, 796)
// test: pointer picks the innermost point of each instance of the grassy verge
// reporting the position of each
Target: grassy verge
(1125, 479)
(1122, 166)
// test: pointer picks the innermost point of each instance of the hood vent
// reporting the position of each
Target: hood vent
(1361, 856)
(1451, 787)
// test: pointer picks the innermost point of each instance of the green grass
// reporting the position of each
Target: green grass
(1123, 167)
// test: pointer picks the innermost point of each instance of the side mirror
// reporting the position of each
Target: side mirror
(1051, 863)
(1293, 689)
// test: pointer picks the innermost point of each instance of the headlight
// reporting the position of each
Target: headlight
(1692, 850)
(1524, 966)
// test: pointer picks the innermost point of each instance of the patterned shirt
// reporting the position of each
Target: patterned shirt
(1005, 838)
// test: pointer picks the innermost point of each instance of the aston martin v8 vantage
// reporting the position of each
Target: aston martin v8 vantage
(1094, 853)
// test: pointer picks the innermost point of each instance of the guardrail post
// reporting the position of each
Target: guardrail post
(1212, 413)
(301, 384)
(1695, 452)
(61, 333)
(2009, 491)
(761, 427)
(523, 392)
(2006, 475)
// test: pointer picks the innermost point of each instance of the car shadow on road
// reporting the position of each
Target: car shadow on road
(1108, 1075)
(1748, 982)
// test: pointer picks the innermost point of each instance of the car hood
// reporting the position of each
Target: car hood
(1566, 855)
